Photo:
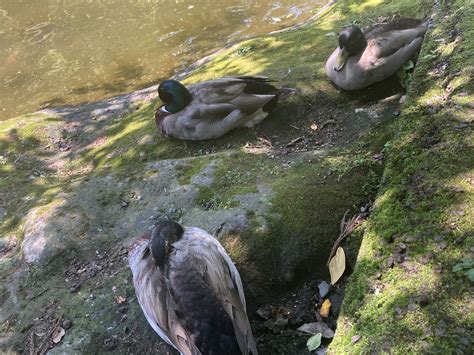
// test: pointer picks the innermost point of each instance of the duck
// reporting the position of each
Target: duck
(190, 291)
(365, 57)
(210, 109)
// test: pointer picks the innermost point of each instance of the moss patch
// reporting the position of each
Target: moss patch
(421, 305)
(210, 200)
(187, 171)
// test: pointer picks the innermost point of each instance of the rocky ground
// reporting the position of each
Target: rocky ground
(78, 183)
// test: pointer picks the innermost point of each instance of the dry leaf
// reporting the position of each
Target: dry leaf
(314, 127)
(324, 311)
(58, 334)
(315, 328)
(314, 342)
(337, 265)
(120, 299)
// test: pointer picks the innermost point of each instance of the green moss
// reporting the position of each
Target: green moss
(421, 304)
(210, 200)
(188, 170)
(238, 175)
(304, 219)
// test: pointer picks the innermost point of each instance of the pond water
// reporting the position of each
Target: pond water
(58, 52)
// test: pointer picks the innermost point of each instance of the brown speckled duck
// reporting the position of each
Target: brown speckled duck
(367, 56)
(190, 291)
(211, 109)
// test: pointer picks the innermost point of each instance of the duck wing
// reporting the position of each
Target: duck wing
(208, 290)
(388, 39)
(158, 306)
(217, 98)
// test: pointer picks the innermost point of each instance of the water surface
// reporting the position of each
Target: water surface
(57, 52)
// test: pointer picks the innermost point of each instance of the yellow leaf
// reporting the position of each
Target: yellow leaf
(337, 265)
(324, 311)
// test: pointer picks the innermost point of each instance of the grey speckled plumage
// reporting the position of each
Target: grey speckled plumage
(389, 46)
(219, 106)
(195, 301)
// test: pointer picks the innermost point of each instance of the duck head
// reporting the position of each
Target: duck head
(163, 235)
(174, 95)
(351, 42)
(155, 244)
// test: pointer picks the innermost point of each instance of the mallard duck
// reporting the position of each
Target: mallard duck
(190, 291)
(367, 56)
(211, 109)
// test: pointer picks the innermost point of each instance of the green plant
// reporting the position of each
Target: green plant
(466, 267)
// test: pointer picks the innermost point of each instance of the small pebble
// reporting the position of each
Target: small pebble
(67, 324)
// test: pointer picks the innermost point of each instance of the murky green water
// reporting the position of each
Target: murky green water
(57, 52)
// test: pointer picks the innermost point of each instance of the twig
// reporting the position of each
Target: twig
(294, 141)
(346, 229)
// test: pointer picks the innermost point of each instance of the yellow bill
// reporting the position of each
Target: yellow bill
(341, 59)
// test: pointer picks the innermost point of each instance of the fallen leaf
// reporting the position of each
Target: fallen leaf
(58, 334)
(120, 299)
(317, 327)
(324, 311)
(314, 342)
(337, 265)
(323, 289)
(314, 127)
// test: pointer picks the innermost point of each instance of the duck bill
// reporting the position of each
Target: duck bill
(341, 59)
